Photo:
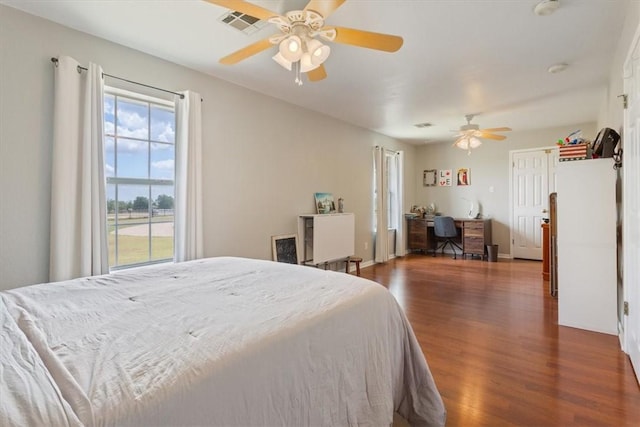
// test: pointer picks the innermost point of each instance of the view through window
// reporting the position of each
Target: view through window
(139, 166)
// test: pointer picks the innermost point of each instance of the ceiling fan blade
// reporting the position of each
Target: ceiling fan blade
(246, 8)
(492, 136)
(496, 130)
(246, 52)
(317, 74)
(378, 41)
(324, 7)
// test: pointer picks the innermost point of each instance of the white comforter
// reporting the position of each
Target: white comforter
(220, 341)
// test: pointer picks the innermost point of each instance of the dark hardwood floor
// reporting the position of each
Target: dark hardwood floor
(491, 337)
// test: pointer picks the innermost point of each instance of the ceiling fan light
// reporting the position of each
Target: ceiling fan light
(319, 52)
(463, 143)
(306, 63)
(291, 48)
(280, 59)
(474, 142)
(468, 142)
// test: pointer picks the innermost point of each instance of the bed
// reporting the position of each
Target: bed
(218, 341)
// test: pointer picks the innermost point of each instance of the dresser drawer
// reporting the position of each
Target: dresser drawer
(417, 234)
(474, 245)
(418, 239)
(474, 232)
(474, 225)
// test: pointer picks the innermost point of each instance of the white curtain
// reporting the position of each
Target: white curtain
(188, 206)
(78, 236)
(380, 186)
(389, 191)
(399, 212)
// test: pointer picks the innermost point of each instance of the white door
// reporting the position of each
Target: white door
(533, 179)
(631, 206)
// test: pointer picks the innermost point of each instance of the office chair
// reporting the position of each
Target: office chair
(444, 227)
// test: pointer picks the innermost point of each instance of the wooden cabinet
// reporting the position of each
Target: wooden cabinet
(418, 235)
(476, 235)
(546, 251)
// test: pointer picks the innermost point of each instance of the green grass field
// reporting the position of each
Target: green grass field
(135, 249)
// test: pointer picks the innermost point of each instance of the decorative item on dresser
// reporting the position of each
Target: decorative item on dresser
(324, 203)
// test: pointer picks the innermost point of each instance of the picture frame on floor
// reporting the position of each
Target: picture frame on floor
(285, 248)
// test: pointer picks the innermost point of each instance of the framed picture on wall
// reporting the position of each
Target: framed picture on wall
(430, 178)
(464, 176)
(444, 178)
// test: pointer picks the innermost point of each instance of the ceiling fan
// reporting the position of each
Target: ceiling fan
(469, 135)
(299, 45)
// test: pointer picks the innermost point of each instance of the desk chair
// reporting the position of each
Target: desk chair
(444, 227)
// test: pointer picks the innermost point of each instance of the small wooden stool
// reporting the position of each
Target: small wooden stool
(355, 259)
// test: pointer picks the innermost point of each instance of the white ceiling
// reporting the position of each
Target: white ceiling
(488, 57)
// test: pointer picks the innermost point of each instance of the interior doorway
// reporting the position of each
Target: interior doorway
(533, 175)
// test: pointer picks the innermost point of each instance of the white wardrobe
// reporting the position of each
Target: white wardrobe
(586, 238)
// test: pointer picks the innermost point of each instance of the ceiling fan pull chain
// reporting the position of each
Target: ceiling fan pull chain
(296, 67)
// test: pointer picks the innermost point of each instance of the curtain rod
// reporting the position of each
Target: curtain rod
(80, 67)
(395, 152)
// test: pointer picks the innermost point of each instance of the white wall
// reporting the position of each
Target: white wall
(259, 175)
(489, 167)
(612, 112)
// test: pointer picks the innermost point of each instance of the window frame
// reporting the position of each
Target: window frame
(148, 182)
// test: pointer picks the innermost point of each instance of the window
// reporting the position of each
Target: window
(139, 167)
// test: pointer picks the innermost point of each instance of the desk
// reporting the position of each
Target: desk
(473, 234)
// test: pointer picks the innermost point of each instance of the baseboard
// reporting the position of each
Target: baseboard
(621, 337)
(362, 265)
(367, 264)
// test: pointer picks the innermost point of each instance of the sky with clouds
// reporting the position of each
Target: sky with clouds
(143, 137)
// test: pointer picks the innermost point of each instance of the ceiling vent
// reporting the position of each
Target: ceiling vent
(242, 22)
(423, 125)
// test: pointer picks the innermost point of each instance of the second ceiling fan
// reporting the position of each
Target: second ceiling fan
(299, 41)
(469, 135)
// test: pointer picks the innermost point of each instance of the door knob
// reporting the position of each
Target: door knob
(544, 211)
